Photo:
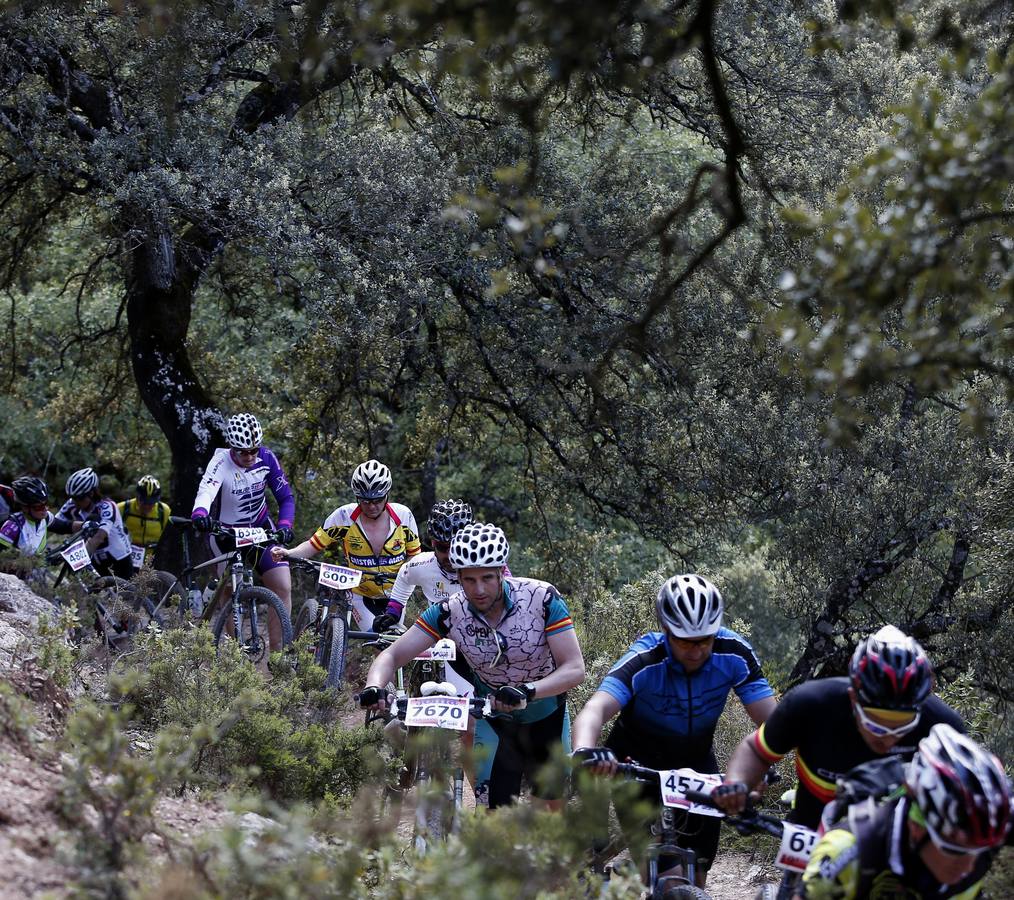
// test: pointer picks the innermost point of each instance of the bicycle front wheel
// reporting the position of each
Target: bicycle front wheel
(307, 616)
(332, 650)
(254, 642)
(684, 892)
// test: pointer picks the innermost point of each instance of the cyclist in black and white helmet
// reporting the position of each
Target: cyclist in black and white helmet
(669, 690)
(234, 491)
(518, 638)
(86, 508)
(376, 537)
(28, 527)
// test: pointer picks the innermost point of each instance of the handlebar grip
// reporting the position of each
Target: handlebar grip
(701, 798)
(180, 520)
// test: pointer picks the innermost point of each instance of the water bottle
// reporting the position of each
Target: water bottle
(209, 591)
(196, 601)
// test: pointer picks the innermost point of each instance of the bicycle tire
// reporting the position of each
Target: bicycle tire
(265, 600)
(683, 892)
(306, 618)
(142, 613)
(332, 650)
(767, 892)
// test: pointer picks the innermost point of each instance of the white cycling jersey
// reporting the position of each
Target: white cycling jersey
(107, 514)
(240, 491)
(425, 573)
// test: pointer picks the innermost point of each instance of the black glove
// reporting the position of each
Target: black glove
(371, 696)
(384, 622)
(730, 789)
(593, 755)
(285, 534)
(88, 529)
(514, 694)
(201, 523)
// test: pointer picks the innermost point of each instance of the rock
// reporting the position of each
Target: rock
(19, 605)
(10, 637)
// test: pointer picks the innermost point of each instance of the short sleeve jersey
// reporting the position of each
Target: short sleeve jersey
(816, 720)
(143, 530)
(379, 566)
(106, 513)
(424, 572)
(25, 534)
(534, 612)
(236, 495)
(668, 716)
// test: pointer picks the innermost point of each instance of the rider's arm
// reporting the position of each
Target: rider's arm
(569, 671)
(412, 544)
(211, 483)
(62, 523)
(279, 486)
(300, 551)
(759, 710)
(399, 654)
(589, 723)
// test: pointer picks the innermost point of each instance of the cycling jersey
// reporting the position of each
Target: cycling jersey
(533, 612)
(870, 855)
(25, 534)
(144, 530)
(105, 512)
(816, 720)
(668, 715)
(424, 572)
(379, 567)
(235, 495)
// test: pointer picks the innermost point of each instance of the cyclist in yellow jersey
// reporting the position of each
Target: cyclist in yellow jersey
(376, 537)
(146, 516)
(936, 839)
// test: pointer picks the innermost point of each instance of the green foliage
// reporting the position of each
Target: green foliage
(16, 716)
(57, 654)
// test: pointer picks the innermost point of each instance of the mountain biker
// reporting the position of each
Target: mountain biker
(376, 536)
(932, 840)
(518, 638)
(884, 706)
(145, 517)
(233, 491)
(669, 690)
(27, 529)
(97, 516)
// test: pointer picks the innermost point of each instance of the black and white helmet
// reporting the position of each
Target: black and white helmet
(479, 545)
(82, 482)
(243, 432)
(689, 606)
(960, 789)
(30, 490)
(371, 480)
(446, 517)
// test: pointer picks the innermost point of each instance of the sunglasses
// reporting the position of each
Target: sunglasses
(953, 849)
(693, 643)
(907, 721)
(251, 452)
(366, 501)
(501, 648)
(38, 507)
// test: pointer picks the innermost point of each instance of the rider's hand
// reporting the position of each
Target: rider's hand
(89, 528)
(384, 622)
(285, 534)
(600, 760)
(375, 698)
(511, 696)
(201, 522)
(730, 797)
(279, 553)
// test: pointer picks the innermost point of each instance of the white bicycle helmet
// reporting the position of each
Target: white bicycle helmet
(82, 482)
(243, 431)
(689, 606)
(960, 789)
(479, 545)
(371, 480)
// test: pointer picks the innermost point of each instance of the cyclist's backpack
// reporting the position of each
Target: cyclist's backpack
(878, 779)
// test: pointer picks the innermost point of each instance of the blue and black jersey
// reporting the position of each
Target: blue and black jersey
(668, 715)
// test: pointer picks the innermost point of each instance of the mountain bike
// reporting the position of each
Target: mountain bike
(440, 787)
(236, 607)
(120, 610)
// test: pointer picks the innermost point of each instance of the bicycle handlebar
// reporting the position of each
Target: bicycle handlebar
(220, 530)
(748, 821)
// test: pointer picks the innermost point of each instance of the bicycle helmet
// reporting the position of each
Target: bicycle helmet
(479, 545)
(371, 480)
(29, 490)
(889, 670)
(243, 431)
(148, 490)
(82, 482)
(960, 790)
(689, 606)
(446, 517)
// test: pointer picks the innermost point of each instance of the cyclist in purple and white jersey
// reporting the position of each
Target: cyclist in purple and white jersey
(107, 540)
(28, 528)
(232, 492)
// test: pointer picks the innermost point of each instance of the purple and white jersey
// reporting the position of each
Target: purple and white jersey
(25, 534)
(238, 493)
(107, 514)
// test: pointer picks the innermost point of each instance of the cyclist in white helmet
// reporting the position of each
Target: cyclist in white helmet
(518, 637)
(376, 537)
(233, 491)
(669, 690)
(87, 510)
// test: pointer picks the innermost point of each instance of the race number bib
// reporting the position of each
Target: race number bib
(136, 556)
(797, 845)
(437, 712)
(76, 555)
(676, 783)
(338, 577)
(444, 649)
(247, 536)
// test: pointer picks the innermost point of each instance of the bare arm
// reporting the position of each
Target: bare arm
(590, 721)
(569, 671)
(759, 710)
(400, 653)
(746, 767)
(306, 550)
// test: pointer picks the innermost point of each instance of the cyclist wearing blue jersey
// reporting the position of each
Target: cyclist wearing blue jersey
(669, 690)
